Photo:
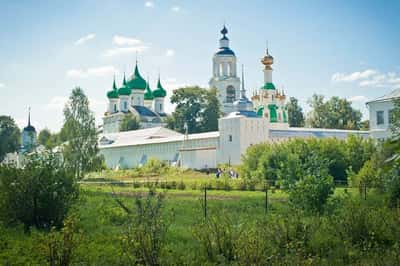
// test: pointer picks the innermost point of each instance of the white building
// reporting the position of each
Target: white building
(380, 116)
(224, 75)
(263, 120)
(134, 98)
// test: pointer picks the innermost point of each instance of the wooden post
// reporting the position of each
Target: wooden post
(266, 196)
(205, 201)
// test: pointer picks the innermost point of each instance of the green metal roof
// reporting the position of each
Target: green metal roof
(148, 95)
(136, 82)
(113, 94)
(268, 86)
(160, 91)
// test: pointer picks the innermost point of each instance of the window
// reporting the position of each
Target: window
(391, 116)
(379, 118)
(228, 69)
(125, 105)
(115, 107)
(221, 69)
(160, 107)
(230, 138)
(230, 94)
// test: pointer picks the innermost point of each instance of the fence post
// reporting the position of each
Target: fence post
(266, 196)
(205, 201)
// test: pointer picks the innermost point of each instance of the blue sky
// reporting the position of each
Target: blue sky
(343, 48)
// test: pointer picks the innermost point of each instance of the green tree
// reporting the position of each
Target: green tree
(10, 136)
(81, 151)
(295, 113)
(334, 113)
(40, 194)
(129, 122)
(44, 137)
(197, 107)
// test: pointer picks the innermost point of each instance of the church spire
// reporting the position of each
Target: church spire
(243, 91)
(29, 116)
(224, 41)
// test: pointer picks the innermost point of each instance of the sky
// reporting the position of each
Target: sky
(339, 48)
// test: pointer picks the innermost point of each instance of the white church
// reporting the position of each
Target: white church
(246, 122)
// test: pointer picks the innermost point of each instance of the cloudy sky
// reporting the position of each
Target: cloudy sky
(344, 48)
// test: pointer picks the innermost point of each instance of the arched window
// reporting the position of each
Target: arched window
(115, 108)
(125, 105)
(228, 68)
(230, 94)
(221, 69)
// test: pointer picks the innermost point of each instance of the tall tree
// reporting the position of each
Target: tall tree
(44, 137)
(130, 122)
(10, 136)
(80, 151)
(334, 113)
(197, 107)
(295, 112)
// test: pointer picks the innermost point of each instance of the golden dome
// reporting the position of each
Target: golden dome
(267, 60)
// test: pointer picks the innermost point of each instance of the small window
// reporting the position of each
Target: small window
(160, 107)
(230, 138)
(379, 118)
(125, 105)
(391, 116)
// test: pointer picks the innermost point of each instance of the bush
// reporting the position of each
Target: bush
(38, 195)
(181, 185)
(144, 237)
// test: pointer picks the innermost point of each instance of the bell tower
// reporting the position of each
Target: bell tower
(224, 77)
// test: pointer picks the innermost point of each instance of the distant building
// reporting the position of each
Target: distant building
(380, 114)
(136, 98)
(246, 123)
(28, 136)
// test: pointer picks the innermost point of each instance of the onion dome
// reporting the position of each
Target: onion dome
(136, 82)
(160, 91)
(224, 44)
(29, 127)
(113, 94)
(268, 86)
(148, 95)
(267, 60)
(124, 90)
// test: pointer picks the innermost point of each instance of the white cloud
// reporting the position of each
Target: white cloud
(170, 52)
(2, 85)
(342, 77)
(125, 50)
(103, 71)
(369, 78)
(85, 39)
(358, 98)
(56, 103)
(176, 8)
(123, 40)
(149, 4)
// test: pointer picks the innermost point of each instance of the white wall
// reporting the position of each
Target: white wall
(382, 130)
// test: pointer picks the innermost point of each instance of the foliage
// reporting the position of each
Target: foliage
(295, 113)
(38, 195)
(44, 137)
(60, 246)
(334, 113)
(197, 107)
(10, 136)
(144, 237)
(129, 122)
(81, 151)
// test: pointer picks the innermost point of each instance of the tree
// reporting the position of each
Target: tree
(334, 113)
(44, 137)
(295, 113)
(197, 107)
(40, 194)
(130, 122)
(81, 151)
(10, 136)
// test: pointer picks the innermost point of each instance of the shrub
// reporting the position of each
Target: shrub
(136, 184)
(144, 236)
(193, 185)
(242, 184)
(38, 195)
(181, 185)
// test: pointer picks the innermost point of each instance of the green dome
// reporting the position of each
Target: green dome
(159, 92)
(268, 86)
(148, 95)
(113, 94)
(136, 82)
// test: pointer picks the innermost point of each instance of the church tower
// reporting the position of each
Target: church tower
(28, 136)
(224, 77)
(269, 102)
